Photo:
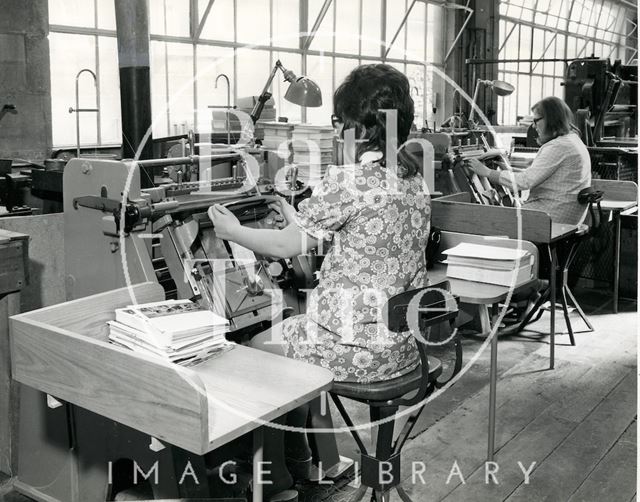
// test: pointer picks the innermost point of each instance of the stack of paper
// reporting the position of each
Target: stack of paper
(312, 151)
(179, 331)
(276, 135)
(489, 264)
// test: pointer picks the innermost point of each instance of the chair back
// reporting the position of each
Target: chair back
(416, 311)
(592, 197)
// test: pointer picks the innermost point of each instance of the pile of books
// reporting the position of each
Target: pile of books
(178, 331)
(312, 151)
(489, 264)
(275, 134)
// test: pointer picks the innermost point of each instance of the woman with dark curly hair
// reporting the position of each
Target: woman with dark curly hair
(376, 214)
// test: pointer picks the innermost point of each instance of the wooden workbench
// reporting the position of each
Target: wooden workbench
(63, 351)
(13, 277)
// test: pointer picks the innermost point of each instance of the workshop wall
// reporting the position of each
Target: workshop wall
(25, 80)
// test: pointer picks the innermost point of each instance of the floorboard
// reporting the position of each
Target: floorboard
(562, 472)
(614, 478)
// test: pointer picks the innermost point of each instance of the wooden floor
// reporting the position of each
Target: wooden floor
(573, 428)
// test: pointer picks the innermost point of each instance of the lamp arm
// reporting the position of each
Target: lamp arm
(265, 94)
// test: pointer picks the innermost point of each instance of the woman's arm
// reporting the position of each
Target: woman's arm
(285, 243)
(544, 165)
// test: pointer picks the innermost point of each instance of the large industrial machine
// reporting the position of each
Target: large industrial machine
(117, 234)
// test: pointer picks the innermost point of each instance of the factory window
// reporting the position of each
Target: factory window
(534, 33)
(242, 39)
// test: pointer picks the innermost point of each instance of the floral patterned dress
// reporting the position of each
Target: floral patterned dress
(378, 226)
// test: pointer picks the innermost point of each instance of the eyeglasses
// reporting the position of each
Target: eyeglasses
(336, 121)
(535, 121)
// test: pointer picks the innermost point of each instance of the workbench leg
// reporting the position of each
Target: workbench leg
(258, 453)
(9, 398)
(552, 310)
(616, 260)
(485, 323)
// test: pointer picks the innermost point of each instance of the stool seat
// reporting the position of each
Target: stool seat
(387, 389)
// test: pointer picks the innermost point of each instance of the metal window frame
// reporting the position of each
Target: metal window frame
(198, 22)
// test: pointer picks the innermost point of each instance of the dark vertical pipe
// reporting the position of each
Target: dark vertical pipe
(132, 24)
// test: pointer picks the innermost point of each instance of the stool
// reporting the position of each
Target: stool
(568, 250)
(416, 311)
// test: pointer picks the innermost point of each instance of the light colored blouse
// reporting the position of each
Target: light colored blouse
(560, 170)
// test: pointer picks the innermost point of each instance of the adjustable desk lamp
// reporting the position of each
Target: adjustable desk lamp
(499, 88)
(302, 91)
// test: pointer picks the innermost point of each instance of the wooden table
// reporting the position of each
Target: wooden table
(619, 196)
(14, 266)
(617, 207)
(63, 351)
(456, 214)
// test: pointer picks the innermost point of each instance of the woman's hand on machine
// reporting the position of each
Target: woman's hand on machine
(284, 209)
(224, 221)
(477, 167)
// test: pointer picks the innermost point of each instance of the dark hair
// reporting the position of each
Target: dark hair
(557, 115)
(359, 103)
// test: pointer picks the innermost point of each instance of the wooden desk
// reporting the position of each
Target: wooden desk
(63, 351)
(14, 266)
(484, 295)
(455, 214)
(619, 196)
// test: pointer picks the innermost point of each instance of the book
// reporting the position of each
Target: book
(522, 274)
(485, 263)
(166, 322)
(482, 251)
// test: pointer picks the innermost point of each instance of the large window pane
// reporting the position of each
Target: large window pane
(167, 17)
(286, 23)
(211, 62)
(323, 40)
(395, 12)
(159, 108)
(371, 28)
(253, 71)
(65, 64)
(72, 13)
(106, 14)
(320, 69)
(253, 22)
(416, 32)
(110, 121)
(420, 94)
(347, 24)
(435, 34)
(220, 21)
(180, 88)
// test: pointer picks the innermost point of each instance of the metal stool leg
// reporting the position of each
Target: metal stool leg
(579, 309)
(565, 311)
(403, 494)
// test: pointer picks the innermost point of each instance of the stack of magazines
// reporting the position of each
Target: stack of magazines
(178, 331)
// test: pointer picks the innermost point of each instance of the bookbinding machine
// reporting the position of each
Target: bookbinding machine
(117, 234)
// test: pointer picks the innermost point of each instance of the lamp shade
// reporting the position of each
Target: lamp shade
(502, 88)
(304, 92)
